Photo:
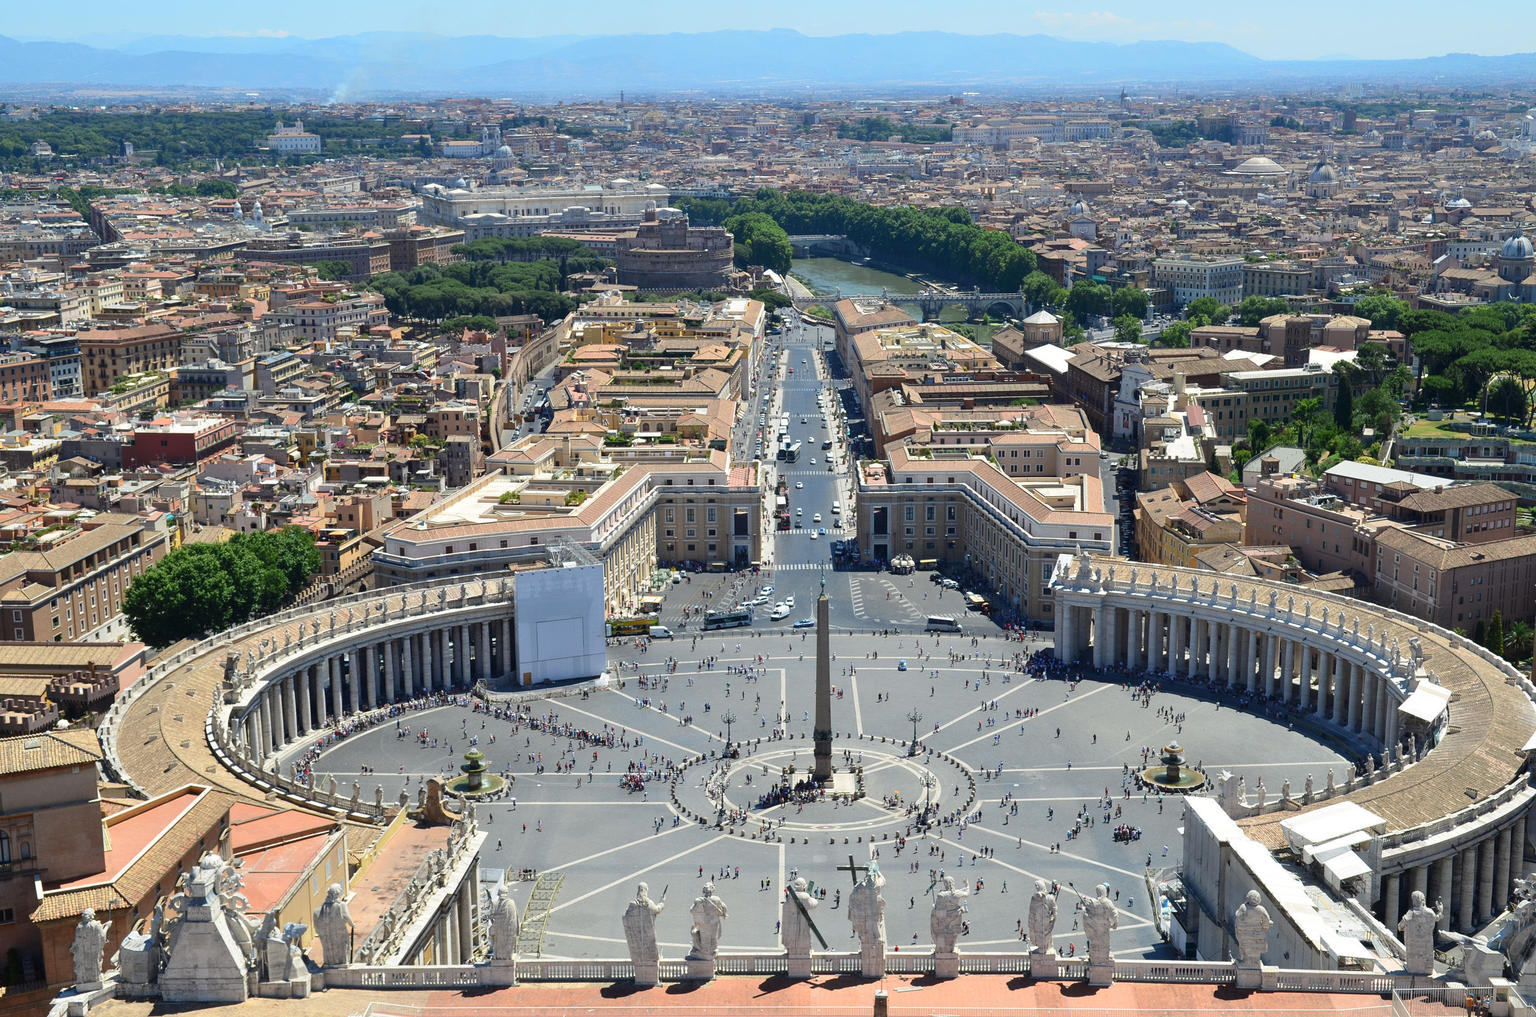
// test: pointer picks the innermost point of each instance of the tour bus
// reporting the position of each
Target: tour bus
(622, 627)
(941, 623)
(793, 455)
(727, 619)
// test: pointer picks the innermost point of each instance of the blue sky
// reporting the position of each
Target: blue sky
(1299, 28)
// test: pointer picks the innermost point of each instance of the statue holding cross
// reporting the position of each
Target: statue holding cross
(796, 926)
(866, 910)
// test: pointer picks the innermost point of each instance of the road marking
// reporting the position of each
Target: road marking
(566, 705)
(625, 846)
(1025, 720)
(970, 713)
(858, 714)
(640, 872)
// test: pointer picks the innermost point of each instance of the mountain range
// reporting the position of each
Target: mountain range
(778, 62)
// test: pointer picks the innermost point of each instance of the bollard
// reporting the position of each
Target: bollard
(882, 1002)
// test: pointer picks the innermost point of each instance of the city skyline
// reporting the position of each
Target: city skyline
(1369, 31)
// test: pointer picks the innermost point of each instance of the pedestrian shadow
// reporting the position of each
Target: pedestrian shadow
(1079, 989)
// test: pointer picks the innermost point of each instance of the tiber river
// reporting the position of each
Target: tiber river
(828, 275)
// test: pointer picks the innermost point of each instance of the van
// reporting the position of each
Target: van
(837, 508)
(660, 632)
(941, 623)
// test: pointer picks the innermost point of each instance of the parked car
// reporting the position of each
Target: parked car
(805, 623)
(901, 665)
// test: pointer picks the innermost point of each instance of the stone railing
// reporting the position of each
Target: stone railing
(1302, 980)
(112, 720)
(1218, 972)
(430, 876)
(423, 976)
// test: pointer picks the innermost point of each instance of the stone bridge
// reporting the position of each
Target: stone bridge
(806, 245)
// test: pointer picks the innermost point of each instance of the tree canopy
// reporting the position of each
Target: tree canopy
(201, 588)
(490, 288)
(918, 239)
(1255, 309)
(760, 241)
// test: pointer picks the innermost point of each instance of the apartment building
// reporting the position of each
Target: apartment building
(107, 355)
(325, 318)
(76, 585)
(962, 508)
(1271, 396)
(1276, 279)
(631, 511)
(1189, 277)
(1176, 523)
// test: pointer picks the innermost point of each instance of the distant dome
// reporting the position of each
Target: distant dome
(1323, 173)
(1079, 207)
(461, 183)
(1484, 139)
(1258, 166)
(504, 152)
(1458, 202)
(1517, 248)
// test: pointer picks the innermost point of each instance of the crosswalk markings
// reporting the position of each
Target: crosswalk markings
(803, 566)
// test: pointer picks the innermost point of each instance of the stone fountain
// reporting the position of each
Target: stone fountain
(1172, 775)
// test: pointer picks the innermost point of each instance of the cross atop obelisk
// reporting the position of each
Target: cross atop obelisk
(822, 770)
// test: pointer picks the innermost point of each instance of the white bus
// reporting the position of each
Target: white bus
(941, 623)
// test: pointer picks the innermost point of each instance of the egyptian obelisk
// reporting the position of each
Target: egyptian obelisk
(823, 731)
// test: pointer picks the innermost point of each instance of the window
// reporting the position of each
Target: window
(5, 847)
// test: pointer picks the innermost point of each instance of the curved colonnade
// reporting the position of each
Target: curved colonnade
(261, 686)
(1455, 793)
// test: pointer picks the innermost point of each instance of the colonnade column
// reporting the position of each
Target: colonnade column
(338, 708)
(1442, 892)
(1466, 886)
(509, 652)
(1233, 634)
(1501, 868)
(1324, 679)
(1390, 890)
(485, 658)
(1251, 660)
(408, 675)
(387, 648)
(1154, 640)
(271, 719)
(1213, 647)
(466, 926)
(440, 654)
(1287, 670)
(1064, 632)
(1516, 857)
(461, 655)
(1372, 702)
(290, 718)
(1135, 657)
(1304, 676)
(252, 729)
(1181, 641)
(1271, 651)
(303, 680)
(1356, 695)
(1485, 879)
(1101, 637)
(1340, 688)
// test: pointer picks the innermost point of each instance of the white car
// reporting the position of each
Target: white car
(780, 612)
(813, 534)
(789, 601)
(799, 485)
(813, 460)
(816, 518)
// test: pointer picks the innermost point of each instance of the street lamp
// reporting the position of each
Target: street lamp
(916, 719)
(730, 718)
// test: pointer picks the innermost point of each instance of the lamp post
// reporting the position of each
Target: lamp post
(730, 718)
(916, 719)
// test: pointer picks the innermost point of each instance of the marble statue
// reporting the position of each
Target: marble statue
(378, 797)
(1042, 919)
(1099, 919)
(504, 927)
(944, 922)
(89, 944)
(1413, 747)
(1250, 926)
(1331, 785)
(333, 924)
(1480, 963)
(1285, 790)
(1307, 789)
(1370, 766)
(794, 928)
(866, 910)
(708, 912)
(640, 934)
(1418, 928)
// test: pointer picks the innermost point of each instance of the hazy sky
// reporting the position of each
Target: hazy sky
(1297, 29)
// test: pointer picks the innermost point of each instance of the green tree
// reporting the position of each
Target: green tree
(1493, 634)
(1127, 329)
(1305, 417)
(1040, 290)
(1130, 300)
(332, 269)
(1088, 299)
(217, 189)
(1213, 310)
(1518, 636)
(1255, 309)
(1344, 404)
(1175, 336)
(760, 241)
(473, 322)
(1382, 309)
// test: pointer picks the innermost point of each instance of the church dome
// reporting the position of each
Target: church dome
(504, 152)
(1458, 202)
(1484, 140)
(1258, 166)
(1079, 207)
(1323, 173)
(1517, 248)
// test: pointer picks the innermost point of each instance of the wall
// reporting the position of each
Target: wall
(559, 623)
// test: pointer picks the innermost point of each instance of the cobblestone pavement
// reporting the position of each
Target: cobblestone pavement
(1022, 756)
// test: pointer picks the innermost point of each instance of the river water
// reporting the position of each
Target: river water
(828, 275)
